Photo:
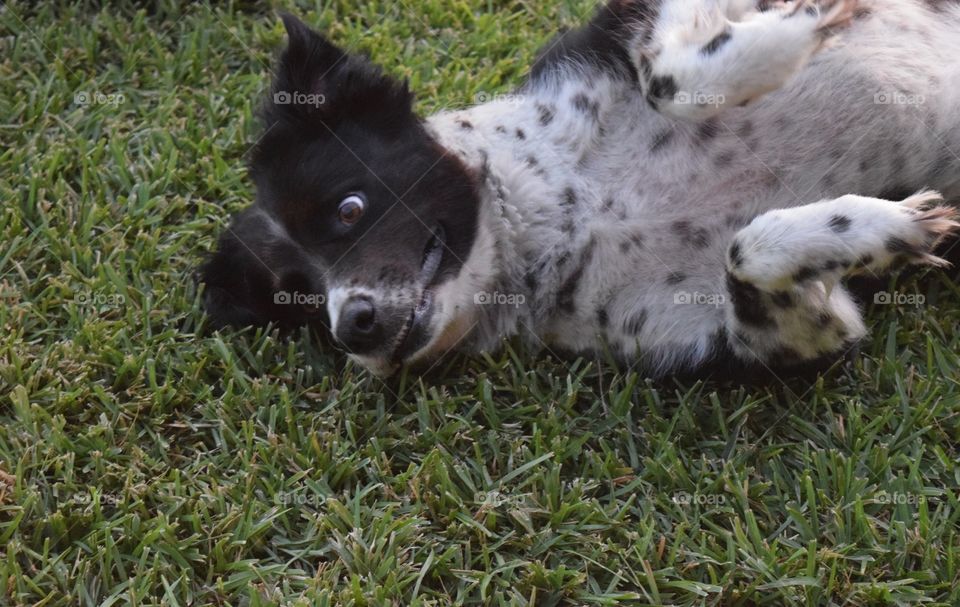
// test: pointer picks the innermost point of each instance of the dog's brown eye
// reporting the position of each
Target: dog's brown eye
(351, 209)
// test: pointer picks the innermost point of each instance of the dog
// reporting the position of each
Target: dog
(679, 183)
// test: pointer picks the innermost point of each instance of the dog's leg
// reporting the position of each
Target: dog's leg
(784, 268)
(706, 55)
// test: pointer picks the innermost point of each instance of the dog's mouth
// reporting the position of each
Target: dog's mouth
(415, 333)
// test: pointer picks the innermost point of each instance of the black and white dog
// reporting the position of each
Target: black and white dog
(678, 182)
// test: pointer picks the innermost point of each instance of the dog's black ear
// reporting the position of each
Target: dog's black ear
(239, 284)
(253, 274)
(316, 83)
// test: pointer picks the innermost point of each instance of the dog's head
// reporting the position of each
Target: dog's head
(357, 206)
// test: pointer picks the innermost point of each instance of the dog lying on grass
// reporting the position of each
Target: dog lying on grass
(679, 182)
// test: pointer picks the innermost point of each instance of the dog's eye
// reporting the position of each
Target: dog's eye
(351, 209)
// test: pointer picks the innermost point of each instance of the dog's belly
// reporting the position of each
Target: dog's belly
(669, 196)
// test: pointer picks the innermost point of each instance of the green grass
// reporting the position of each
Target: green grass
(147, 460)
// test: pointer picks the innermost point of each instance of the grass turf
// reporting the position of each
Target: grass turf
(145, 460)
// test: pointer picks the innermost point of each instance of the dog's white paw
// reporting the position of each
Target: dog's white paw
(828, 240)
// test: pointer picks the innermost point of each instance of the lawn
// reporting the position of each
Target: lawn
(147, 460)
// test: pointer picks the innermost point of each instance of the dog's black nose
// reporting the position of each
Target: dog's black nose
(357, 328)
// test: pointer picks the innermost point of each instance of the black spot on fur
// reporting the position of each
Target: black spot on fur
(521, 135)
(900, 247)
(603, 318)
(783, 299)
(736, 255)
(663, 87)
(724, 159)
(865, 261)
(546, 115)
(567, 294)
(530, 279)
(569, 197)
(501, 129)
(717, 43)
(634, 325)
(840, 223)
(676, 278)
(584, 104)
(745, 130)
(698, 237)
(465, 125)
(708, 129)
(532, 161)
(625, 246)
(804, 274)
(748, 303)
(661, 140)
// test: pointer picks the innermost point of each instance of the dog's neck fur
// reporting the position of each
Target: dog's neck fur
(494, 141)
